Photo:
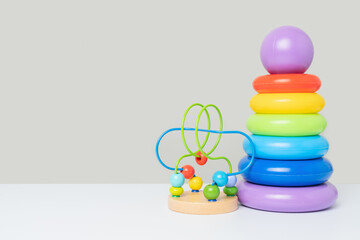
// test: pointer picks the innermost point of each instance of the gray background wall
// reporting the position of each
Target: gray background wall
(88, 86)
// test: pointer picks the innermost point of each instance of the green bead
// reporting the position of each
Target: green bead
(176, 191)
(211, 192)
(230, 191)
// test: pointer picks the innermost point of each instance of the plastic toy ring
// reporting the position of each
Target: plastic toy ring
(287, 83)
(287, 103)
(287, 148)
(287, 125)
(287, 173)
(287, 199)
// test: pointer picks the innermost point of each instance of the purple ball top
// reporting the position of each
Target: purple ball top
(287, 49)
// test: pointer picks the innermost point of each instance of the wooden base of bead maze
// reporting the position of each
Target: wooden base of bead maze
(195, 203)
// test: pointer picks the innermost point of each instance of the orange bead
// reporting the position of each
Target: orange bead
(188, 171)
(200, 160)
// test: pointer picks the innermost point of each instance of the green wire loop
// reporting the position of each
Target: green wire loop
(218, 140)
(197, 127)
(183, 124)
(201, 146)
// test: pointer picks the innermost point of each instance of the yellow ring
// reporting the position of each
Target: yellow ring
(287, 103)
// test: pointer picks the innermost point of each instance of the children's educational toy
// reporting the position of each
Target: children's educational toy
(288, 173)
(210, 200)
(284, 170)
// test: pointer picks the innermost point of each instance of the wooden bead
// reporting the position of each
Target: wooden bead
(230, 191)
(200, 160)
(195, 183)
(211, 192)
(231, 181)
(188, 171)
(220, 178)
(176, 191)
(177, 179)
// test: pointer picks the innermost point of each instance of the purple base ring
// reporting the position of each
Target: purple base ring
(287, 199)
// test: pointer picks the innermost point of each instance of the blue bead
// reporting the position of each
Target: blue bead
(177, 179)
(220, 178)
(231, 181)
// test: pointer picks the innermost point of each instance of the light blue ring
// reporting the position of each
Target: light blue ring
(287, 148)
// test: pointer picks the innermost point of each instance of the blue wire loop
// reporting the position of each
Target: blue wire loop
(208, 131)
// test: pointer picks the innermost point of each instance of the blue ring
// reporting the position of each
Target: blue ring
(287, 173)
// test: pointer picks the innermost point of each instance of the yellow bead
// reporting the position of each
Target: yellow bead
(176, 191)
(195, 183)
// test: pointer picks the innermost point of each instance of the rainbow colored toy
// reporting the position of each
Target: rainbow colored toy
(193, 201)
(284, 169)
(289, 173)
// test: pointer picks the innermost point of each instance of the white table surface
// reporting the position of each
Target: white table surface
(135, 211)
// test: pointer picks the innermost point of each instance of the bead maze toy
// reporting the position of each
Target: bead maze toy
(285, 169)
(210, 200)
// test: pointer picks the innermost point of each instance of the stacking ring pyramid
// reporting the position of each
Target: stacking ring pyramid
(289, 173)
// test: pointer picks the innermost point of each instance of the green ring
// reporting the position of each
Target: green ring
(183, 124)
(286, 125)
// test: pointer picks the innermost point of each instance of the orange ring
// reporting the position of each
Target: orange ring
(287, 83)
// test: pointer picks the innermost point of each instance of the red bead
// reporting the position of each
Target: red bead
(200, 160)
(188, 171)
